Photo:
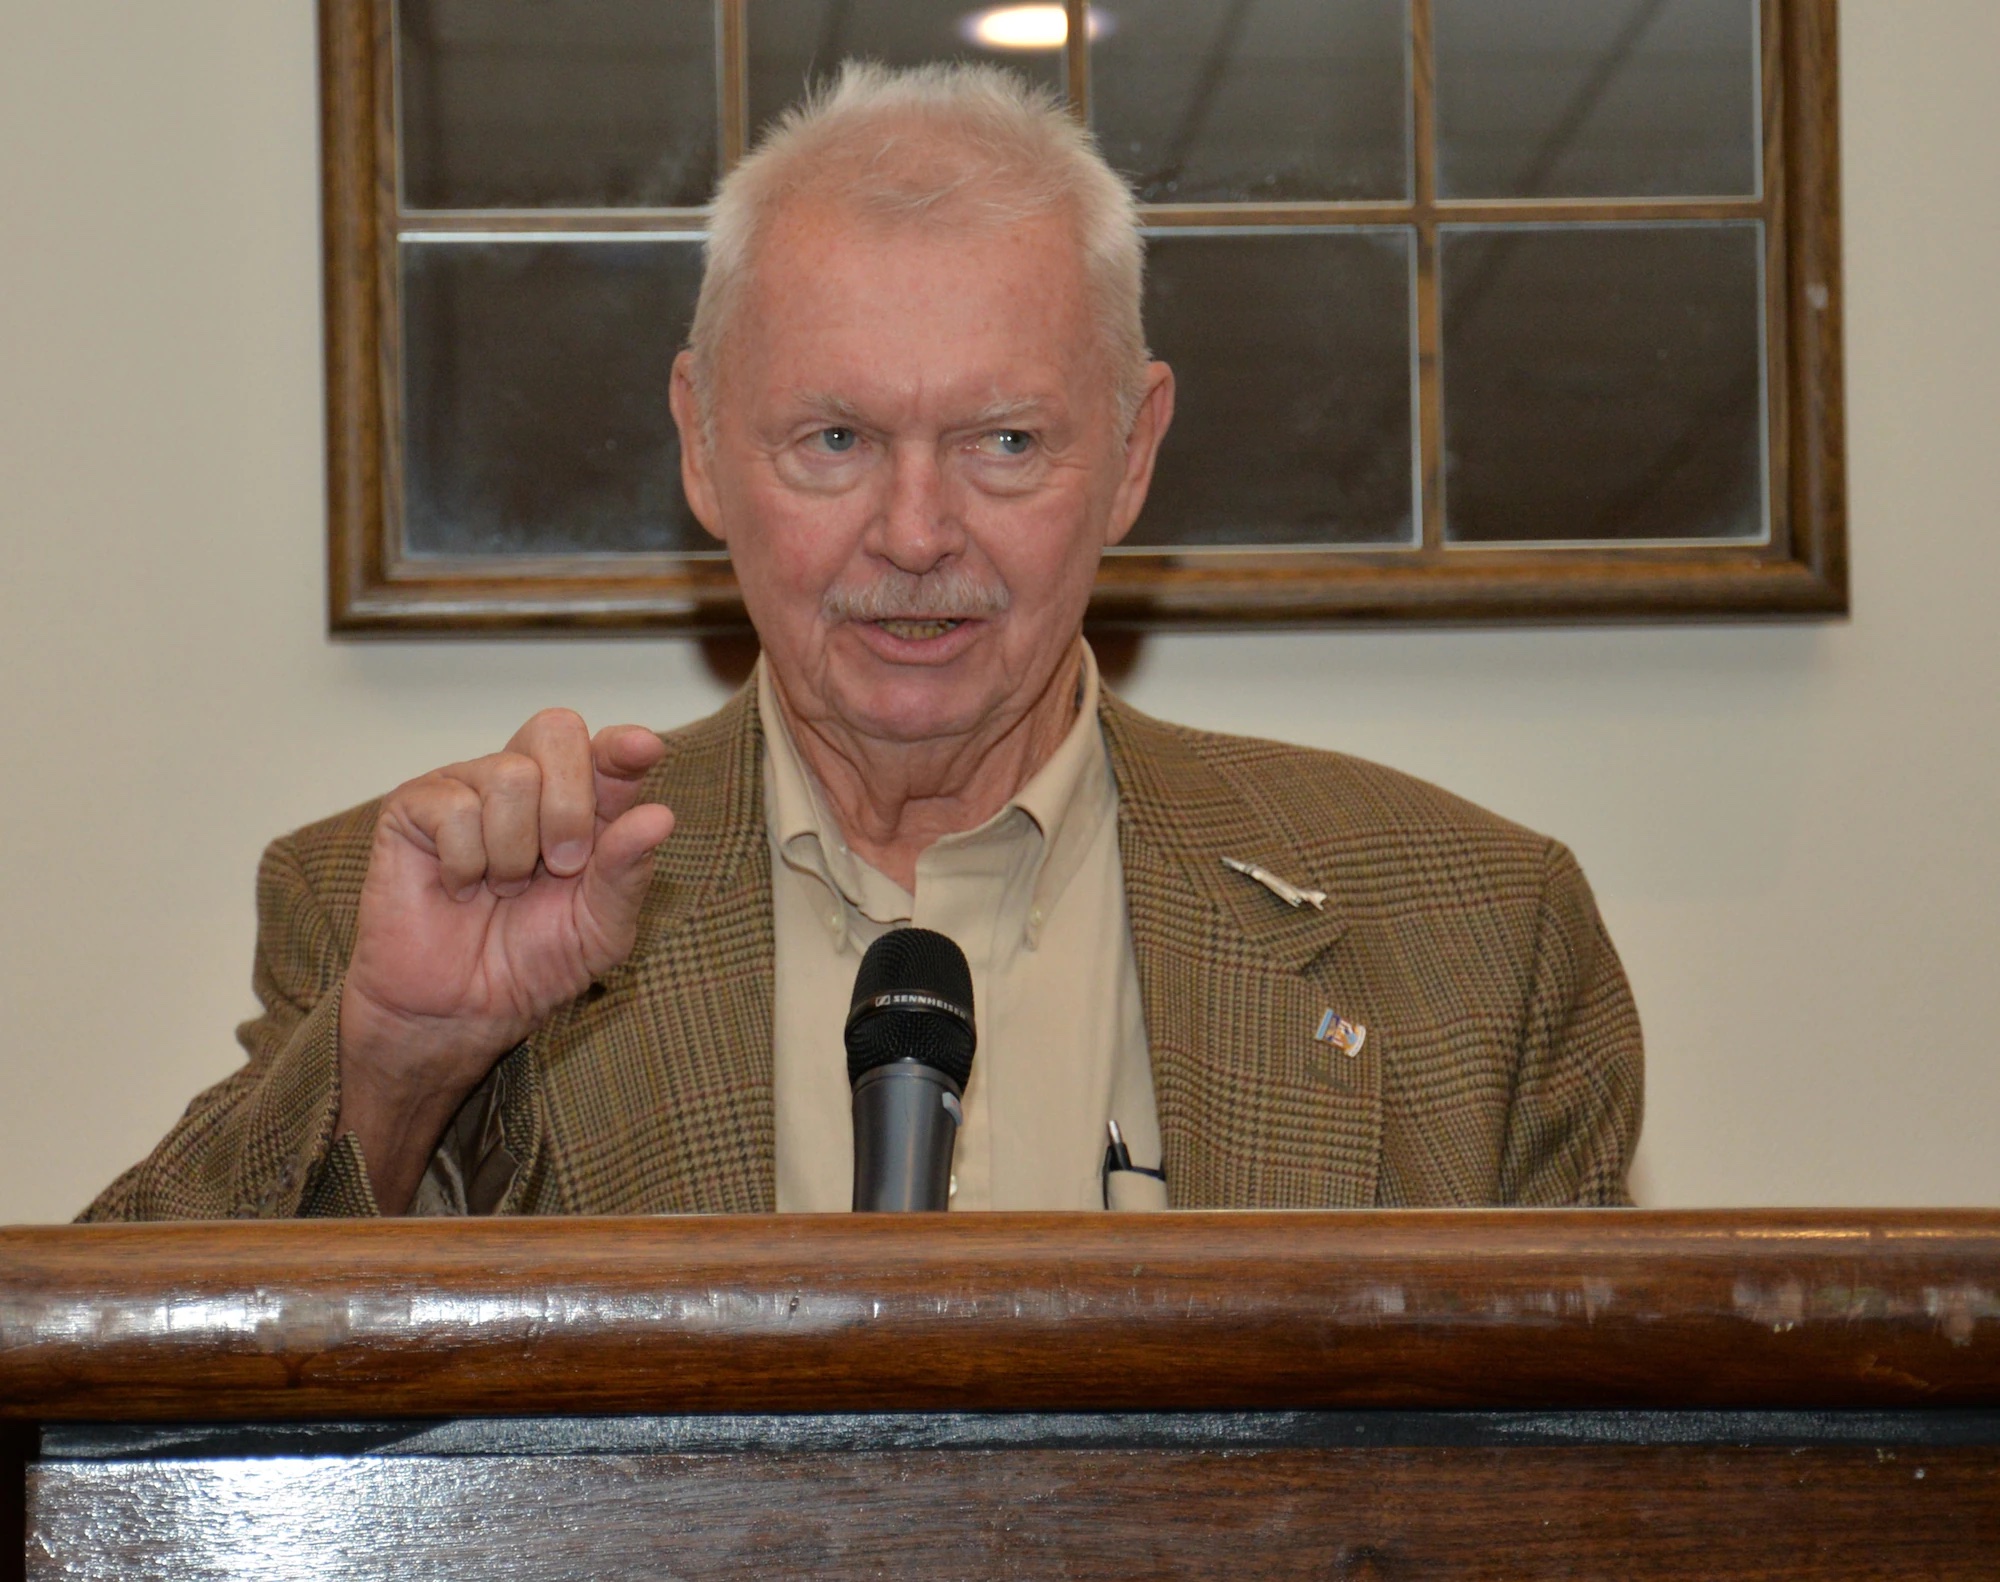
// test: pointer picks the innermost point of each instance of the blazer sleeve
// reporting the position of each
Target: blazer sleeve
(259, 1144)
(1573, 1122)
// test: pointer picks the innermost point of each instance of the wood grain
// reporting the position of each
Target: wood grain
(1488, 1309)
(348, 50)
(1429, 326)
(1667, 1512)
(1815, 444)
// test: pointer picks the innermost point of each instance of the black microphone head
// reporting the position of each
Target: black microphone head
(912, 1001)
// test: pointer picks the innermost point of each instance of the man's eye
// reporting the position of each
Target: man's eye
(838, 440)
(1010, 442)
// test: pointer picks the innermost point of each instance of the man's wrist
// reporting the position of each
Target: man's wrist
(397, 1095)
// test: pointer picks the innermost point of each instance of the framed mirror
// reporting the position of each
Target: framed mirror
(1479, 312)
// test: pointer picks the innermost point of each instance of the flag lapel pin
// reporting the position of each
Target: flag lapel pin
(1346, 1036)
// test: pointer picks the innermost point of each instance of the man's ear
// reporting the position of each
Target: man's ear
(697, 480)
(1142, 448)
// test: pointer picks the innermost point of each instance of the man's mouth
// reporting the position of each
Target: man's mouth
(916, 631)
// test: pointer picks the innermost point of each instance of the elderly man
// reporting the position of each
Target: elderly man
(917, 407)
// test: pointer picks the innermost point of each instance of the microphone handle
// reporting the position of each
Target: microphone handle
(906, 1117)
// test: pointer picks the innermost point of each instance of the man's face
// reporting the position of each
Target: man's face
(916, 424)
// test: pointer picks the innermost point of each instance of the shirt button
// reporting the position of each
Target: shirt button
(1036, 917)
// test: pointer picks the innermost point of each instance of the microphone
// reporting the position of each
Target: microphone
(909, 1051)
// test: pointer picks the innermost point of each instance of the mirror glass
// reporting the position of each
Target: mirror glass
(535, 377)
(563, 104)
(1254, 100)
(794, 42)
(1596, 98)
(1603, 382)
(1294, 425)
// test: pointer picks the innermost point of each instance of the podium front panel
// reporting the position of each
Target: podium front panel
(1107, 1495)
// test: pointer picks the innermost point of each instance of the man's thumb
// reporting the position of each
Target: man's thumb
(621, 865)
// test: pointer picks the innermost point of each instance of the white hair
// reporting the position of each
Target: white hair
(961, 145)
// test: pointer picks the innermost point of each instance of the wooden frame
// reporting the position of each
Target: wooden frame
(1801, 571)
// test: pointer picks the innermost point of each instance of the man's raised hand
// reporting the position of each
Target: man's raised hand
(497, 890)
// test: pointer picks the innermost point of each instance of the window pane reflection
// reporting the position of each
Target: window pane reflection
(1603, 383)
(535, 379)
(1610, 98)
(1293, 411)
(557, 103)
(793, 42)
(1255, 99)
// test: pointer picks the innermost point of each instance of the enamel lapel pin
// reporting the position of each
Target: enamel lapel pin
(1346, 1036)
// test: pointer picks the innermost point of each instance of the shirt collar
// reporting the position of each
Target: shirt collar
(1069, 797)
(1064, 802)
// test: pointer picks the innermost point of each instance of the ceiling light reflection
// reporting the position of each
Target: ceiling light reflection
(1024, 27)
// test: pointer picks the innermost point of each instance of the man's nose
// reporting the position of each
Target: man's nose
(918, 526)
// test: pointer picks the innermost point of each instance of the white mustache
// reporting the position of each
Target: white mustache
(950, 594)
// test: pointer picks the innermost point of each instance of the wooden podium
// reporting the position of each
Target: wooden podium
(1490, 1394)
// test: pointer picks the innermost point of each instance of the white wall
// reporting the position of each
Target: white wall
(1792, 830)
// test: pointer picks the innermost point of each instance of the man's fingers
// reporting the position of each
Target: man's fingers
(510, 795)
(614, 885)
(540, 802)
(558, 743)
(505, 792)
(444, 813)
(623, 755)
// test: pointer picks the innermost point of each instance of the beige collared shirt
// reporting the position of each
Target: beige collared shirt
(1035, 897)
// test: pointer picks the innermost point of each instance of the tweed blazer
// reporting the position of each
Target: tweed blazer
(1501, 1065)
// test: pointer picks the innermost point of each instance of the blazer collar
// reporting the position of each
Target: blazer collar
(1173, 802)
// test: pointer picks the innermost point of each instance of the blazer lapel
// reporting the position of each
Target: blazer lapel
(657, 1084)
(1254, 1109)
(656, 1087)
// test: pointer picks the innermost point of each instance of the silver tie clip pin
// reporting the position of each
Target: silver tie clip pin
(1283, 889)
